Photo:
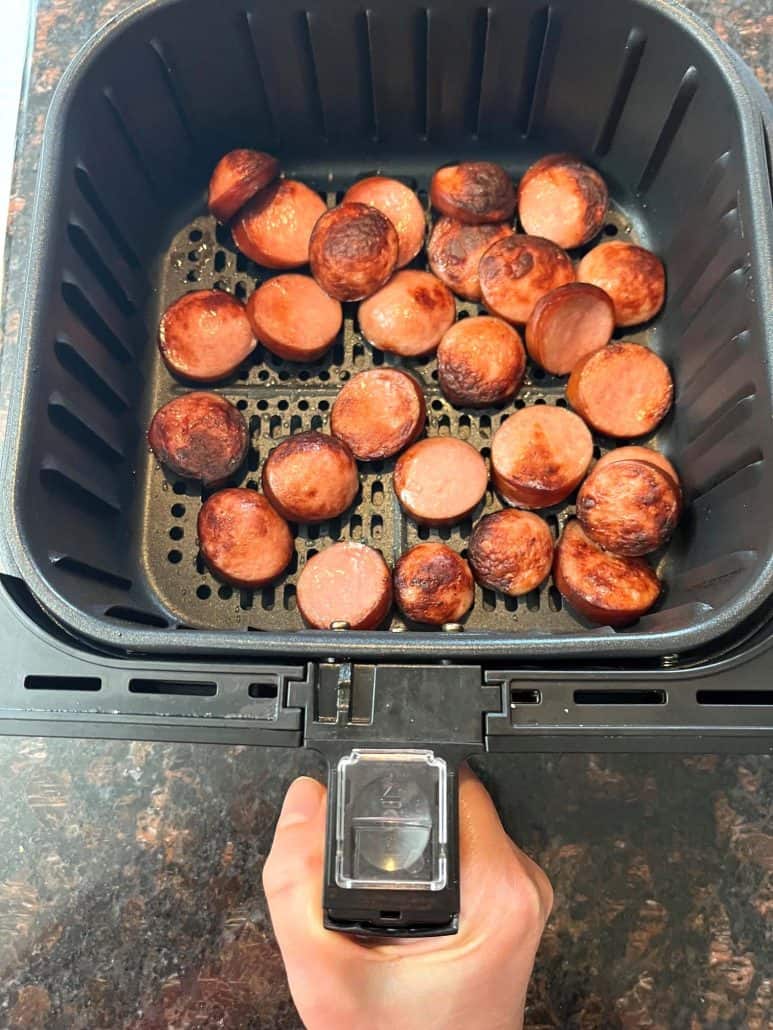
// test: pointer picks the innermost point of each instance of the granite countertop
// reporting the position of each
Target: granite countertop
(130, 872)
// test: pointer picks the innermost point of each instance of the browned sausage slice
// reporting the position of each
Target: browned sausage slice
(242, 539)
(603, 587)
(539, 455)
(433, 584)
(473, 192)
(563, 200)
(353, 251)
(311, 477)
(274, 228)
(294, 318)
(378, 413)
(400, 205)
(348, 583)
(568, 323)
(205, 335)
(237, 178)
(409, 315)
(455, 249)
(517, 270)
(511, 551)
(634, 453)
(480, 362)
(622, 390)
(629, 507)
(633, 277)
(199, 436)
(439, 481)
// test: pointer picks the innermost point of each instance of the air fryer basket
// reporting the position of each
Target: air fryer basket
(106, 541)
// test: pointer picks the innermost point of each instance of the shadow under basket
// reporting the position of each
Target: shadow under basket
(106, 542)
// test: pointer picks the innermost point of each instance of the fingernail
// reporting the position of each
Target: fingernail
(301, 802)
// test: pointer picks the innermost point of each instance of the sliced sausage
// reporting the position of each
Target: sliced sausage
(603, 587)
(539, 455)
(242, 539)
(400, 205)
(455, 249)
(205, 335)
(237, 178)
(409, 315)
(199, 436)
(274, 228)
(629, 507)
(635, 453)
(348, 583)
(311, 477)
(511, 551)
(378, 413)
(480, 362)
(563, 200)
(433, 584)
(568, 323)
(633, 277)
(439, 481)
(353, 251)
(622, 390)
(294, 318)
(517, 270)
(473, 192)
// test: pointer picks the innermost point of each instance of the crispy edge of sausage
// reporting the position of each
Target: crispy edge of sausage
(410, 429)
(637, 452)
(474, 192)
(375, 615)
(353, 251)
(412, 229)
(492, 553)
(454, 251)
(212, 469)
(461, 382)
(302, 445)
(237, 177)
(587, 183)
(433, 584)
(548, 307)
(499, 268)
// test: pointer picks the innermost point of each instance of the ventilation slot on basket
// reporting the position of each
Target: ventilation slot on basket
(175, 96)
(84, 435)
(88, 253)
(81, 683)
(174, 688)
(632, 55)
(620, 697)
(264, 691)
(480, 31)
(687, 90)
(92, 198)
(89, 498)
(136, 615)
(74, 363)
(93, 321)
(525, 696)
(131, 143)
(534, 70)
(735, 697)
(79, 568)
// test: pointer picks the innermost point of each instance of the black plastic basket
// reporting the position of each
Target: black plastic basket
(106, 542)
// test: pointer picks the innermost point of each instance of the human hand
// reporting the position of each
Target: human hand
(477, 978)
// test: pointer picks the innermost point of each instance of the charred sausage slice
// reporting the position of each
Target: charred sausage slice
(634, 453)
(539, 455)
(511, 551)
(242, 539)
(622, 390)
(378, 413)
(439, 481)
(433, 584)
(347, 583)
(199, 436)
(603, 587)
(237, 178)
(563, 200)
(517, 270)
(409, 315)
(311, 477)
(274, 228)
(480, 361)
(294, 318)
(473, 192)
(205, 335)
(633, 277)
(455, 249)
(400, 205)
(568, 323)
(353, 251)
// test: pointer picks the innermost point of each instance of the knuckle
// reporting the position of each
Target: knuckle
(530, 893)
(282, 872)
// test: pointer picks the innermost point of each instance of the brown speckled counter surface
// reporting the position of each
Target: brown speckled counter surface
(130, 872)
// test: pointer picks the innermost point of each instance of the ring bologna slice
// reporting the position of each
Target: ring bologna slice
(242, 539)
(378, 413)
(517, 270)
(274, 228)
(511, 551)
(409, 315)
(347, 582)
(433, 584)
(439, 481)
(568, 323)
(603, 587)
(311, 477)
(294, 318)
(473, 192)
(635, 453)
(481, 361)
(237, 178)
(563, 200)
(454, 251)
(623, 390)
(539, 455)
(205, 335)
(633, 277)
(401, 206)
(199, 436)
(353, 251)
(629, 507)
